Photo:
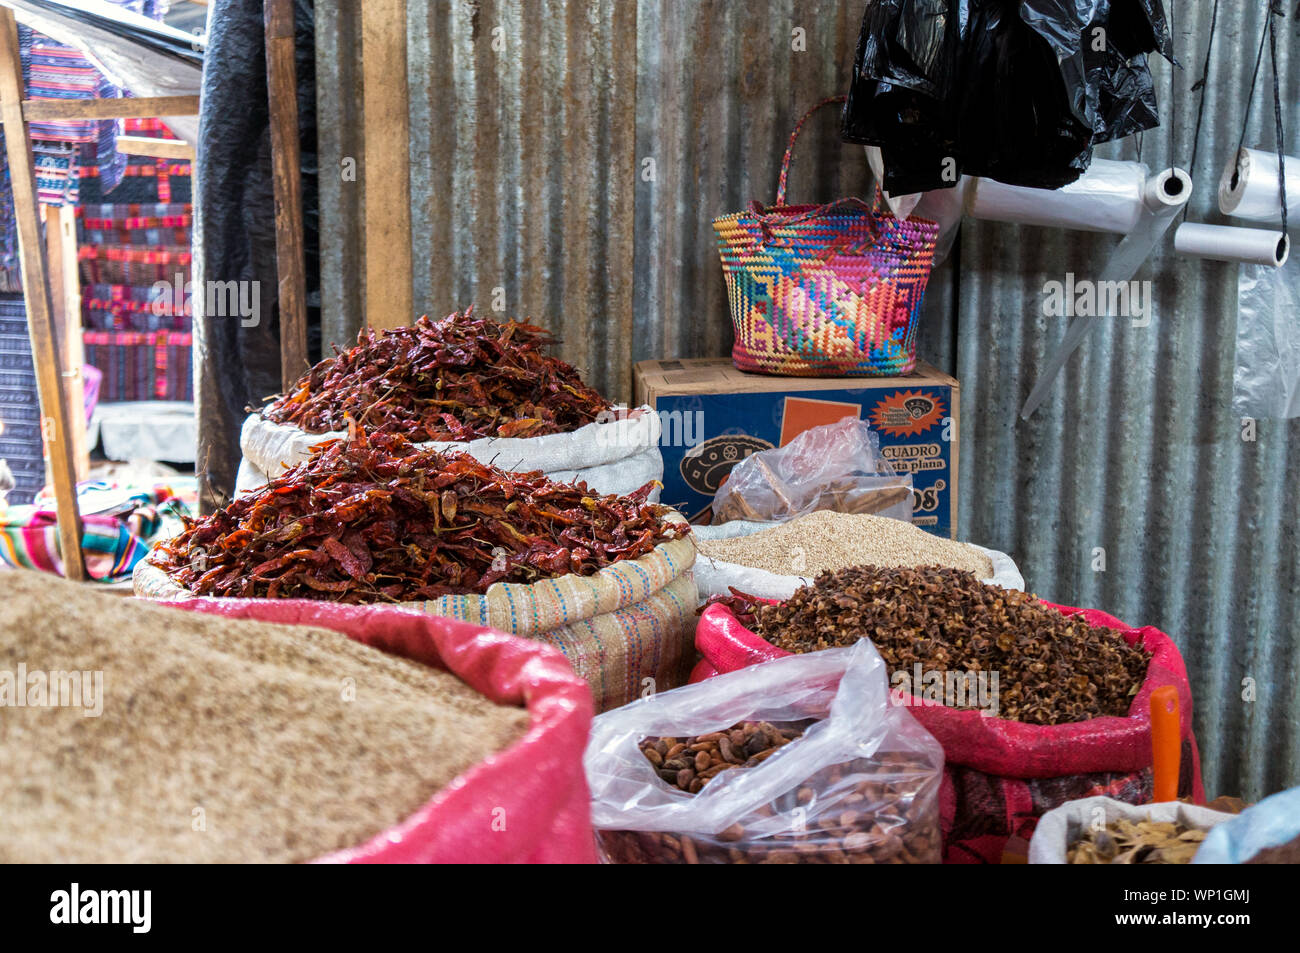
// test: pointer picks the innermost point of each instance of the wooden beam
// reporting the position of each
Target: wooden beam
(65, 296)
(36, 291)
(386, 164)
(50, 110)
(153, 146)
(286, 173)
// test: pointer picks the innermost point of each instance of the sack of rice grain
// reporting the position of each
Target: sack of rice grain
(1013, 749)
(773, 559)
(604, 579)
(466, 384)
(258, 731)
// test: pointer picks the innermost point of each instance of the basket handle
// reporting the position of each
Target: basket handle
(789, 150)
(767, 220)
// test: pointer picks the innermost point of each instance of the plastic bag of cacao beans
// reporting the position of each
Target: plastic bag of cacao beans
(798, 760)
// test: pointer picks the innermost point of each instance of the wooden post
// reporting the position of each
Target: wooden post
(65, 296)
(36, 291)
(286, 171)
(386, 165)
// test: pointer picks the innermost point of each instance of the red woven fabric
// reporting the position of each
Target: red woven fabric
(526, 804)
(1019, 771)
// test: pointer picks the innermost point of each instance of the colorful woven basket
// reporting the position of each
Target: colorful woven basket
(824, 290)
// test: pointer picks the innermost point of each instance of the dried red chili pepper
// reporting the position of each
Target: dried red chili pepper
(458, 379)
(373, 519)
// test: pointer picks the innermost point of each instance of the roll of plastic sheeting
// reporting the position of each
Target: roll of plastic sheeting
(1163, 197)
(1253, 246)
(1249, 187)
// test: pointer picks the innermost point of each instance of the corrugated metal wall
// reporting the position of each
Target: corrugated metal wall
(1137, 451)
(573, 154)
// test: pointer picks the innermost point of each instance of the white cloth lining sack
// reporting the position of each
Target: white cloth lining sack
(610, 457)
(714, 577)
(1062, 826)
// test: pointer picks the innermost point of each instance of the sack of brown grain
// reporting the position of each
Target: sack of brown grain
(256, 731)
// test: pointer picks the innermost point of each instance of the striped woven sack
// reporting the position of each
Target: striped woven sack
(824, 290)
(626, 629)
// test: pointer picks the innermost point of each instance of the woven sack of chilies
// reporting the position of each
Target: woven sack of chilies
(604, 579)
(1000, 775)
(537, 784)
(463, 383)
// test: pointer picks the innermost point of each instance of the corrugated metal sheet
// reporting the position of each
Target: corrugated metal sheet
(1137, 452)
(530, 174)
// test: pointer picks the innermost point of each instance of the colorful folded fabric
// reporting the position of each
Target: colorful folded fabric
(113, 539)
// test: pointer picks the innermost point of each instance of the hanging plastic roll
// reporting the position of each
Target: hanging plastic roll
(1249, 187)
(1163, 196)
(1252, 246)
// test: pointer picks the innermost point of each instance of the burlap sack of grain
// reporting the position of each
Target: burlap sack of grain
(616, 456)
(526, 804)
(1001, 776)
(626, 629)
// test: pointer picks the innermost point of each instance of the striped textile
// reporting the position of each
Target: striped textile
(113, 542)
(128, 265)
(152, 365)
(134, 308)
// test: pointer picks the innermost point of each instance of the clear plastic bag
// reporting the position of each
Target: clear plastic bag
(1272, 822)
(860, 785)
(833, 467)
(1266, 381)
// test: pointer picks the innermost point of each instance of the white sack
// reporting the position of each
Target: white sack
(614, 457)
(716, 577)
(1062, 826)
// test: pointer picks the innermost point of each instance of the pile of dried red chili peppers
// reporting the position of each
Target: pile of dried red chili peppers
(460, 378)
(373, 519)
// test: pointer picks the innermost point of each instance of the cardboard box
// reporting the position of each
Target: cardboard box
(715, 415)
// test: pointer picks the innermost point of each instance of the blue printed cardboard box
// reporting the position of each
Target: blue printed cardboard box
(714, 416)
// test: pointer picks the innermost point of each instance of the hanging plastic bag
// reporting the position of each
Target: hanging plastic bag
(832, 467)
(1015, 92)
(1266, 380)
(859, 785)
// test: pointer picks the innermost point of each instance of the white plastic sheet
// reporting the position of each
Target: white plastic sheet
(1266, 378)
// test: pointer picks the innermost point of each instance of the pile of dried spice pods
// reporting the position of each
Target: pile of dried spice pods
(460, 378)
(375, 519)
(1052, 668)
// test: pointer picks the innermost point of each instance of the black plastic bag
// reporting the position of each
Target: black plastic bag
(1015, 91)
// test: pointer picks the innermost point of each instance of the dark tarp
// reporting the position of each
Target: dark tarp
(234, 232)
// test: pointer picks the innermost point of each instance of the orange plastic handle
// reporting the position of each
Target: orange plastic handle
(1166, 743)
